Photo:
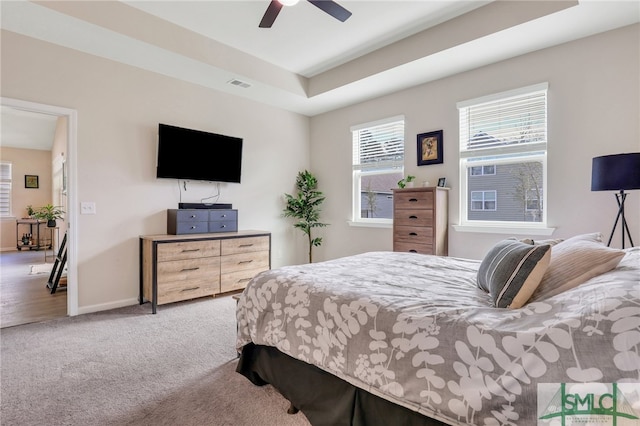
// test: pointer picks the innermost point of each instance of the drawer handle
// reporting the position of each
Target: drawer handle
(189, 289)
(244, 280)
(413, 234)
(190, 269)
(245, 261)
(193, 216)
(193, 227)
(412, 251)
(245, 245)
(189, 250)
(413, 217)
(223, 226)
(224, 215)
(413, 200)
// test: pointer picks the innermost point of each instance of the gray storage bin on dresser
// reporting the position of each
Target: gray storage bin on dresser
(201, 221)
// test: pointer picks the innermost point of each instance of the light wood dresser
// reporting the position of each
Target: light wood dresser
(181, 267)
(420, 220)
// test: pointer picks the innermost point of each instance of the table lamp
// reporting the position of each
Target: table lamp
(618, 172)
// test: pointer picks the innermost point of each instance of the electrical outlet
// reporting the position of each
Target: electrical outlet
(87, 207)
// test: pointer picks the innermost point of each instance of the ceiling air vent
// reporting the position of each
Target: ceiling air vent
(239, 83)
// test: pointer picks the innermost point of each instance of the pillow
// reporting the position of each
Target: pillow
(573, 262)
(511, 271)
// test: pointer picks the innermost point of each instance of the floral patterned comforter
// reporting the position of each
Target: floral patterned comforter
(416, 330)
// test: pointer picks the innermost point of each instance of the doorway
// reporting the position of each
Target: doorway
(19, 311)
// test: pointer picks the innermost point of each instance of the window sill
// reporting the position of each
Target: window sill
(370, 224)
(500, 229)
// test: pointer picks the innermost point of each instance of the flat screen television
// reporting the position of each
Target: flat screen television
(196, 155)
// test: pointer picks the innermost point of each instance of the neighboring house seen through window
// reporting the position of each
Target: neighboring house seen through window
(503, 153)
(378, 164)
(5, 189)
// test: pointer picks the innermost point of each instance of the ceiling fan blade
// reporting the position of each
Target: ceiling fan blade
(271, 14)
(332, 8)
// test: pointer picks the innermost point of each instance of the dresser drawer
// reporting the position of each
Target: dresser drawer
(188, 215)
(413, 234)
(191, 228)
(223, 226)
(176, 291)
(188, 250)
(223, 215)
(413, 247)
(413, 200)
(413, 217)
(206, 268)
(239, 279)
(245, 245)
(244, 261)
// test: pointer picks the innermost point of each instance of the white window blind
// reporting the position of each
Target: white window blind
(506, 123)
(5, 189)
(379, 145)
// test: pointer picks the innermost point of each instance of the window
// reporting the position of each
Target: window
(482, 170)
(378, 164)
(503, 154)
(5, 189)
(483, 200)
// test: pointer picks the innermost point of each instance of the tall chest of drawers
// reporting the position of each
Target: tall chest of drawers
(420, 220)
(181, 267)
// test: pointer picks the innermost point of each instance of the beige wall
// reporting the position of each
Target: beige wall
(594, 109)
(24, 162)
(119, 108)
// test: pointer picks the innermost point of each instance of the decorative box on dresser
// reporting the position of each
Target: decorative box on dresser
(420, 220)
(181, 267)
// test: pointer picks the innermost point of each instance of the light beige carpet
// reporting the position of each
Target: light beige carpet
(130, 367)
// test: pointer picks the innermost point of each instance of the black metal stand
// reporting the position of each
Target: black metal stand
(625, 228)
(58, 267)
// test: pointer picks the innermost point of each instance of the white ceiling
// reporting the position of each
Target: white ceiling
(309, 62)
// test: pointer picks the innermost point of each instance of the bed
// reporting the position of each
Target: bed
(403, 338)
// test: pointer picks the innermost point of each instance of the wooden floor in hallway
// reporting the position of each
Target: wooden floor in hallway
(24, 297)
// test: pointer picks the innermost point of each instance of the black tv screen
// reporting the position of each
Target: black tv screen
(197, 155)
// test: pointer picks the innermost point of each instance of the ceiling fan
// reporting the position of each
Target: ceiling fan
(329, 6)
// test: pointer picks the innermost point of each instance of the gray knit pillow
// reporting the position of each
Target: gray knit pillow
(511, 272)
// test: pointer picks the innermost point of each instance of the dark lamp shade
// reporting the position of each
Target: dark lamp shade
(616, 172)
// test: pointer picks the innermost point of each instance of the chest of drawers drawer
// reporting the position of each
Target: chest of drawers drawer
(186, 279)
(188, 250)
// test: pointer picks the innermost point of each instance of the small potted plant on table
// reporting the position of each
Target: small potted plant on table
(49, 213)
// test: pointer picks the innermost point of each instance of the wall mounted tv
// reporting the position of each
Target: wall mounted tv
(196, 155)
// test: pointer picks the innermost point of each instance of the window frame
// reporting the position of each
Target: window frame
(484, 200)
(358, 172)
(535, 151)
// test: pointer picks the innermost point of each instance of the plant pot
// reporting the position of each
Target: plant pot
(409, 185)
(51, 223)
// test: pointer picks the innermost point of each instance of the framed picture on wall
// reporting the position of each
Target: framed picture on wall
(31, 181)
(430, 148)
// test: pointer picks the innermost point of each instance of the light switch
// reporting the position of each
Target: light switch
(87, 207)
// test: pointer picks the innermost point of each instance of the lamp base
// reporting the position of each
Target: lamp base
(620, 197)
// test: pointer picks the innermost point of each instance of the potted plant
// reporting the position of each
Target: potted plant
(408, 181)
(30, 211)
(305, 207)
(49, 213)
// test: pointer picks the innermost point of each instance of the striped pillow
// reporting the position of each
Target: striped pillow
(573, 262)
(511, 272)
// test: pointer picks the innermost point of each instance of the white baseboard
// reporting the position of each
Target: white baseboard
(12, 248)
(107, 306)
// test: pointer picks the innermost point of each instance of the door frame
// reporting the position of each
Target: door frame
(72, 190)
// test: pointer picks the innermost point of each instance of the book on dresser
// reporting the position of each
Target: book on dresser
(182, 267)
(420, 220)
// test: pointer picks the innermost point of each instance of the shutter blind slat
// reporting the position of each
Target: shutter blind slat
(5, 189)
